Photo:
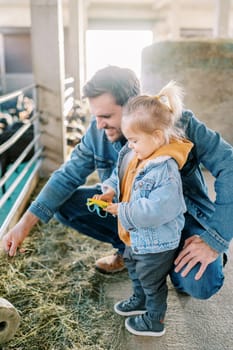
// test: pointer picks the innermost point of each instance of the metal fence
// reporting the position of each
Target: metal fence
(32, 166)
(68, 95)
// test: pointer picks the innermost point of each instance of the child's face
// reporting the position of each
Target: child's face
(143, 144)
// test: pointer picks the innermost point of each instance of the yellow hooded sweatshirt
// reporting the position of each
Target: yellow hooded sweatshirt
(178, 149)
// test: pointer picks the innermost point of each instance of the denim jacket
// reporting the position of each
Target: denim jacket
(95, 152)
(154, 214)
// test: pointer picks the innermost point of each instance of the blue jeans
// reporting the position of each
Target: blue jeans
(148, 273)
(213, 278)
(74, 213)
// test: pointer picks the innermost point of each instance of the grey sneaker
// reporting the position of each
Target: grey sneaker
(132, 306)
(142, 325)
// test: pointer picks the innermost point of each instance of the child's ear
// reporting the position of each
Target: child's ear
(159, 136)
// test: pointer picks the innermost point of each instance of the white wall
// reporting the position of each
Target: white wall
(166, 21)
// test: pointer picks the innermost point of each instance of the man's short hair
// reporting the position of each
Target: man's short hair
(121, 83)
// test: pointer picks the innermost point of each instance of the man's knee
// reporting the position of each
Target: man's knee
(204, 288)
(200, 289)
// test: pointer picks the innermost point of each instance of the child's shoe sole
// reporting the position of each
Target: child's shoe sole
(144, 332)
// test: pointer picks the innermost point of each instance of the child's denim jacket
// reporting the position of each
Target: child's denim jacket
(154, 215)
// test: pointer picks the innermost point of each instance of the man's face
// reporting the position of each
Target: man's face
(108, 115)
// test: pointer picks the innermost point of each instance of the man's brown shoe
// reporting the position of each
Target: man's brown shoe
(110, 264)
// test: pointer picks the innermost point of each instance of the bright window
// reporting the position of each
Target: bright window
(115, 47)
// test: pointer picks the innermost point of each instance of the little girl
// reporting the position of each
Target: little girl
(150, 208)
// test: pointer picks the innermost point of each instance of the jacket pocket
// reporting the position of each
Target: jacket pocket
(142, 188)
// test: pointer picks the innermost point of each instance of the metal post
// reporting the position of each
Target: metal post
(222, 19)
(49, 72)
(77, 27)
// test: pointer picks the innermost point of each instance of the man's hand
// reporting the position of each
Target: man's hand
(195, 251)
(14, 238)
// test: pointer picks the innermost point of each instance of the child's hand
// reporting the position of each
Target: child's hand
(112, 209)
(107, 197)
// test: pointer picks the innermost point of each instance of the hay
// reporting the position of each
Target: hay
(58, 293)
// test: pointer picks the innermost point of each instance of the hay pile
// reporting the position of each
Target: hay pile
(58, 294)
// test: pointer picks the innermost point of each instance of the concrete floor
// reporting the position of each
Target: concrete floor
(191, 324)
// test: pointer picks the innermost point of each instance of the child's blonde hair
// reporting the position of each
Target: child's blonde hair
(148, 113)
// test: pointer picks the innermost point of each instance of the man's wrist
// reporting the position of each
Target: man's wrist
(29, 220)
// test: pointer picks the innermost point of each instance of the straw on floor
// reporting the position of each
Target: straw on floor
(58, 293)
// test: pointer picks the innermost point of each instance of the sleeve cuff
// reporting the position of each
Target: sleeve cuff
(39, 210)
(215, 241)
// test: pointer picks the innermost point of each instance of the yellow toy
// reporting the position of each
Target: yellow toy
(96, 205)
(98, 202)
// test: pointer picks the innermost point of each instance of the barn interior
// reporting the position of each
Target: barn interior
(48, 50)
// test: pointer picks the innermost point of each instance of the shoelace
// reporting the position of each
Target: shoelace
(131, 300)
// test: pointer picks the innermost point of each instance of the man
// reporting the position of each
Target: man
(208, 229)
